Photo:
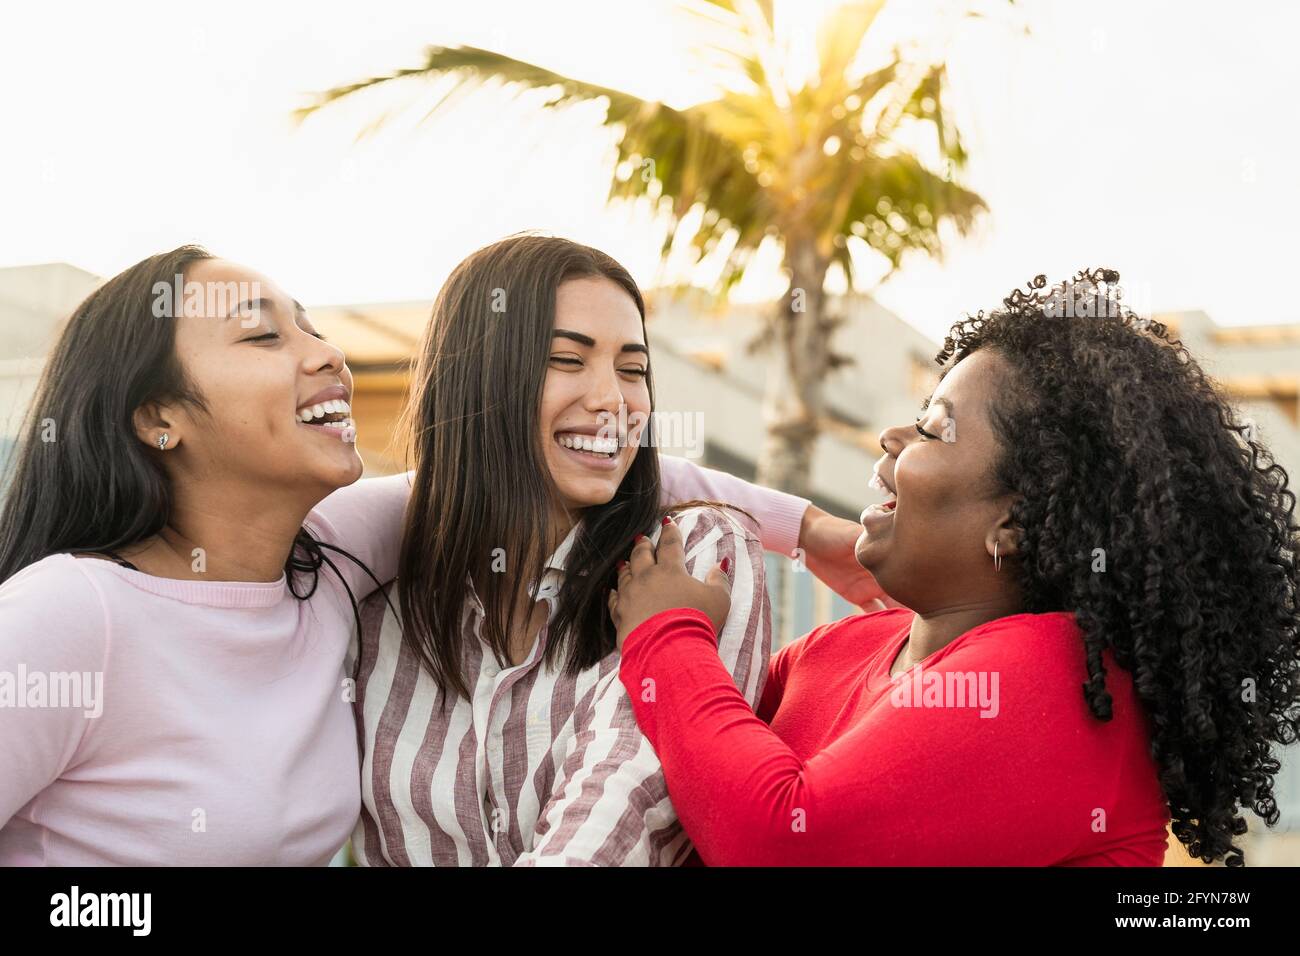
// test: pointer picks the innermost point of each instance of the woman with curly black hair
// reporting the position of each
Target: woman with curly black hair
(1100, 559)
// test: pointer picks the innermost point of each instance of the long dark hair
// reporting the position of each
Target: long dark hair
(82, 480)
(1115, 439)
(481, 481)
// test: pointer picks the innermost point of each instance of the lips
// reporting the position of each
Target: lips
(875, 518)
(329, 412)
(878, 480)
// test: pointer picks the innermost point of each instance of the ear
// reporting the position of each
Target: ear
(1003, 539)
(152, 421)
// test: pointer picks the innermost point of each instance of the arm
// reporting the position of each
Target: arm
(774, 686)
(902, 786)
(610, 804)
(788, 525)
(365, 519)
(52, 621)
(779, 514)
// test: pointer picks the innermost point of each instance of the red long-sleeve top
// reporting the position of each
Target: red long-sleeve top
(985, 753)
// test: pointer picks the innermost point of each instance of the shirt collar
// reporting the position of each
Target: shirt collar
(552, 577)
(560, 556)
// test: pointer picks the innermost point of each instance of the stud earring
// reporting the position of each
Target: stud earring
(162, 441)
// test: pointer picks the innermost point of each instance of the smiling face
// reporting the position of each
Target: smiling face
(598, 361)
(278, 397)
(932, 546)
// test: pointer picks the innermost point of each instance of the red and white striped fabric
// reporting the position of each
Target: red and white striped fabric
(541, 768)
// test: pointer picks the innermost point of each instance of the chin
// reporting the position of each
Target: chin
(587, 494)
(343, 473)
(867, 554)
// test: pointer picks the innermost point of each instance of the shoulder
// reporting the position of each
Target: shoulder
(862, 633)
(56, 606)
(1049, 644)
(700, 524)
(56, 580)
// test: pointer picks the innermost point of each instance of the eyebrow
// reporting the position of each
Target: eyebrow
(588, 341)
(943, 402)
(261, 303)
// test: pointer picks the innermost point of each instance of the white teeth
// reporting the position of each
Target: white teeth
(338, 426)
(332, 407)
(597, 446)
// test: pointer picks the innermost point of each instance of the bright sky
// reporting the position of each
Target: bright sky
(1156, 138)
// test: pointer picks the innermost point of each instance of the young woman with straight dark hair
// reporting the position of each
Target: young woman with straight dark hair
(495, 730)
(165, 552)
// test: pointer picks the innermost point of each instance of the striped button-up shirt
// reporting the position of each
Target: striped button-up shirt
(540, 767)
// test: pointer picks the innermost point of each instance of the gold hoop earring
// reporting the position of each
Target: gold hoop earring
(997, 559)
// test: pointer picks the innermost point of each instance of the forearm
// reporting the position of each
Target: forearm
(365, 519)
(779, 515)
(737, 787)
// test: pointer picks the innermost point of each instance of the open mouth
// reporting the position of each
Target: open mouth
(876, 513)
(590, 446)
(334, 415)
(879, 511)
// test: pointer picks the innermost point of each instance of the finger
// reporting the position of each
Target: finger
(718, 578)
(670, 550)
(612, 602)
(643, 555)
(624, 573)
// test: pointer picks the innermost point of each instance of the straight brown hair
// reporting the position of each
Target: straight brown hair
(481, 481)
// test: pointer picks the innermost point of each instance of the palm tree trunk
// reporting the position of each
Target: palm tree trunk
(793, 400)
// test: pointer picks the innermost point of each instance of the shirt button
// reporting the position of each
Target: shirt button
(490, 670)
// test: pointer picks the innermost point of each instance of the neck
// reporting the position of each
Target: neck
(562, 521)
(935, 629)
(245, 534)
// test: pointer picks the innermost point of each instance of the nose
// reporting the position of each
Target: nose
(325, 356)
(605, 393)
(894, 439)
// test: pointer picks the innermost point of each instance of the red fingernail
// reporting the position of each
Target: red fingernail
(667, 520)
(726, 565)
(622, 565)
(637, 538)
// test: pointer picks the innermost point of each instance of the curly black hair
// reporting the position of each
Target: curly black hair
(1115, 439)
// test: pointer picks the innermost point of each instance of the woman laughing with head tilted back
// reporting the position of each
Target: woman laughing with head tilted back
(1100, 562)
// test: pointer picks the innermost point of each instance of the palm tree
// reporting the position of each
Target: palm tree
(819, 166)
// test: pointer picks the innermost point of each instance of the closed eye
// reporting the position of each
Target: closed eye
(570, 360)
(275, 335)
(924, 434)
